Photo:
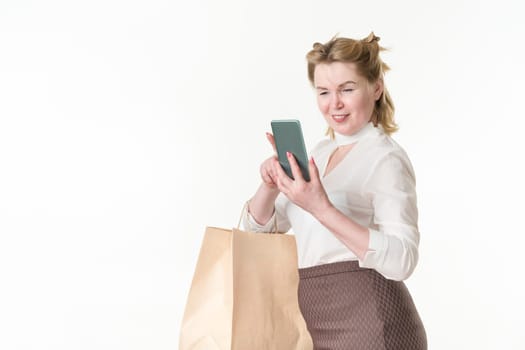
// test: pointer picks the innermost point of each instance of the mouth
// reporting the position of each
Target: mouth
(338, 118)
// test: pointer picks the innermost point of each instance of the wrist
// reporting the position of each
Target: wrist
(269, 189)
(324, 211)
(262, 205)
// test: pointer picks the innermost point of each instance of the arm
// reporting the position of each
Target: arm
(393, 247)
(391, 250)
(312, 197)
(261, 207)
(353, 235)
(267, 202)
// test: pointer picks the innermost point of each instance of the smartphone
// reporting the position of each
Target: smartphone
(288, 137)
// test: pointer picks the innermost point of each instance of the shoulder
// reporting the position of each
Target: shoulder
(384, 146)
(389, 156)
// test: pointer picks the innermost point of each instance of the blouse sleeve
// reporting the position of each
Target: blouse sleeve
(393, 247)
(278, 218)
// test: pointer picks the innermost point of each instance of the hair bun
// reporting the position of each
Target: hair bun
(371, 38)
(319, 48)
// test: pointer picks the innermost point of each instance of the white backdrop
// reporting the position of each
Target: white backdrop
(127, 127)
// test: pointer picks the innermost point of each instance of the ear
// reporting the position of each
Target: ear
(378, 88)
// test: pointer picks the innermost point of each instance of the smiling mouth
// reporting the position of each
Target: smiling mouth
(339, 117)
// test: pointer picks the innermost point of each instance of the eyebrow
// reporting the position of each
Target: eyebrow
(345, 83)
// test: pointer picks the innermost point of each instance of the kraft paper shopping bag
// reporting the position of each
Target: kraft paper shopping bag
(244, 294)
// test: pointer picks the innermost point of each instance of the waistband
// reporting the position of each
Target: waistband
(330, 269)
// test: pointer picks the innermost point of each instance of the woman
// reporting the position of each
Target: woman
(355, 221)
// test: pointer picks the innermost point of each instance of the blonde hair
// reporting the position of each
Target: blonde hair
(364, 54)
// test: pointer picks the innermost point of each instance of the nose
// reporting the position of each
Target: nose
(336, 102)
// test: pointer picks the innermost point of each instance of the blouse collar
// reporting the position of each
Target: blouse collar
(343, 140)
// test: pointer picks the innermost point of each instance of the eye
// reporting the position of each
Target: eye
(322, 93)
(348, 90)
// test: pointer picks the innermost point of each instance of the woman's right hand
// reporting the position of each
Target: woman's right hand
(268, 175)
(262, 205)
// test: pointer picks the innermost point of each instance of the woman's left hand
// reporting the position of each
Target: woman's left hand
(311, 196)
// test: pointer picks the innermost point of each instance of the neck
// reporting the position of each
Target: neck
(343, 140)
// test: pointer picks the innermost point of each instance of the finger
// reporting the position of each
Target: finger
(296, 170)
(271, 167)
(281, 186)
(267, 179)
(314, 170)
(271, 140)
(280, 175)
(273, 176)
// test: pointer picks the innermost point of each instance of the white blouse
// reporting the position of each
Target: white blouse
(374, 185)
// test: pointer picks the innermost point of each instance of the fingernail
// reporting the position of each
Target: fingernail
(288, 154)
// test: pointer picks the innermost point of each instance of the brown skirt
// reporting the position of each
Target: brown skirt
(347, 307)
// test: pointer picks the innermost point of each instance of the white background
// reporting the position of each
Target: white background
(127, 127)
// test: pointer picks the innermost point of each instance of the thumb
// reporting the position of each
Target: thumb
(271, 140)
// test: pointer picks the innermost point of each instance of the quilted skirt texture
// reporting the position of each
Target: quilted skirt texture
(348, 307)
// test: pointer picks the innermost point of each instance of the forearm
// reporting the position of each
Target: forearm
(353, 235)
(262, 204)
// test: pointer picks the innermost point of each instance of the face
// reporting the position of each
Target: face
(345, 98)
